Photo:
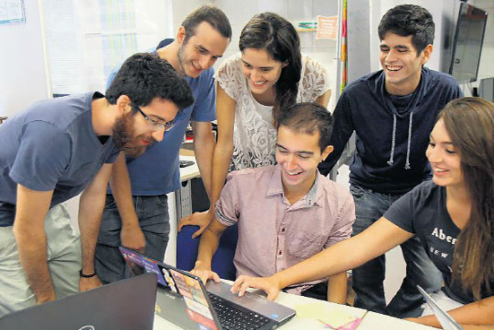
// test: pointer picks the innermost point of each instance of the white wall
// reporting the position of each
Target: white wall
(22, 63)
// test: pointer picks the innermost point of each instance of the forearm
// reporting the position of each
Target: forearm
(122, 192)
(477, 313)
(322, 265)
(91, 206)
(374, 241)
(478, 327)
(31, 245)
(207, 248)
(29, 231)
(337, 288)
(90, 211)
(204, 151)
(221, 162)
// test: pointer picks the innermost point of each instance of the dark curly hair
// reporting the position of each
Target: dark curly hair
(144, 77)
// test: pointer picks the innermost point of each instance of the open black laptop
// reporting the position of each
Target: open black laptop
(184, 300)
(123, 305)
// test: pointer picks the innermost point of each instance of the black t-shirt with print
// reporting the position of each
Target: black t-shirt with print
(423, 212)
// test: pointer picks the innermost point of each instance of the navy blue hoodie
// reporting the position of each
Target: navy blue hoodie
(391, 137)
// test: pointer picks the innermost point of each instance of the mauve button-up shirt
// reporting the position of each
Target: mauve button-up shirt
(274, 234)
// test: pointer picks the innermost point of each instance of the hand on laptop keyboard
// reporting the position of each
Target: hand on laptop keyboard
(268, 284)
(205, 274)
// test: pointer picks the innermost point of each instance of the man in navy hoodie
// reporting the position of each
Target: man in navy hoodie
(392, 112)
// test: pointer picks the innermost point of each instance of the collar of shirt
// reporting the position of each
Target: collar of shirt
(275, 187)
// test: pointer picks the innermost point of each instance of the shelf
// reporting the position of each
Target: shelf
(305, 30)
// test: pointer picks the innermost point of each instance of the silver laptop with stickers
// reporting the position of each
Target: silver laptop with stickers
(184, 300)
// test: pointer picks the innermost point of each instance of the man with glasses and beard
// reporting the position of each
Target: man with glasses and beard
(136, 214)
(58, 148)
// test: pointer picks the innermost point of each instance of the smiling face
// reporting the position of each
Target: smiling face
(444, 158)
(298, 155)
(261, 70)
(132, 133)
(200, 51)
(401, 63)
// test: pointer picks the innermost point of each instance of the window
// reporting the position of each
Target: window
(86, 39)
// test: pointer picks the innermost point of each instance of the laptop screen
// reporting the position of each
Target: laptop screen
(198, 307)
(196, 304)
(139, 264)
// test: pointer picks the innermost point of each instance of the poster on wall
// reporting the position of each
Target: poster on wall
(12, 12)
(327, 27)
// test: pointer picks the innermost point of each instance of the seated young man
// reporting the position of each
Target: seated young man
(286, 212)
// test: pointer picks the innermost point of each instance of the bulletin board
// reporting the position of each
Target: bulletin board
(12, 12)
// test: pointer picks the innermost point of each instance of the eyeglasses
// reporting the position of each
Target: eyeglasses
(156, 125)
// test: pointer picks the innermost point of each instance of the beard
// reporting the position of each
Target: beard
(123, 136)
(180, 55)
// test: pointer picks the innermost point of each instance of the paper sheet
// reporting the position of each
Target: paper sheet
(337, 318)
(310, 311)
(334, 317)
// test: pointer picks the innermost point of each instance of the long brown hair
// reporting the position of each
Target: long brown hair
(470, 124)
(276, 35)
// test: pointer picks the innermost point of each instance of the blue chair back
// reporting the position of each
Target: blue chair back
(222, 262)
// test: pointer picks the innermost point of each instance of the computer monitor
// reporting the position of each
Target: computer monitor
(467, 44)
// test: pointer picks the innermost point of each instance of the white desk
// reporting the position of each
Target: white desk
(189, 172)
(375, 321)
(371, 321)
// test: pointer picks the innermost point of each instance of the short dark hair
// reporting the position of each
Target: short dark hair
(276, 35)
(409, 20)
(308, 118)
(210, 14)
(144, 77)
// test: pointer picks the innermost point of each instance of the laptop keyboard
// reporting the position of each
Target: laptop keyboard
(233, 318)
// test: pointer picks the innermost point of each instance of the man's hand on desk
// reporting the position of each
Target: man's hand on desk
(268, 284)
(86, 284)
(201, 219)
(204, 274)
(133, 238)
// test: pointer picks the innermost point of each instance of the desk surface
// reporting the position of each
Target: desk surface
(371, 320)
(189, 172)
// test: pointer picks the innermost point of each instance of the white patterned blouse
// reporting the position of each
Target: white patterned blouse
(254, 136)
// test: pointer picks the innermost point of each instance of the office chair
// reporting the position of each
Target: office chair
(222, 262)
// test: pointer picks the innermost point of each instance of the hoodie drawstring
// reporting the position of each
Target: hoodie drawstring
(407, 163)
(393, 142)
